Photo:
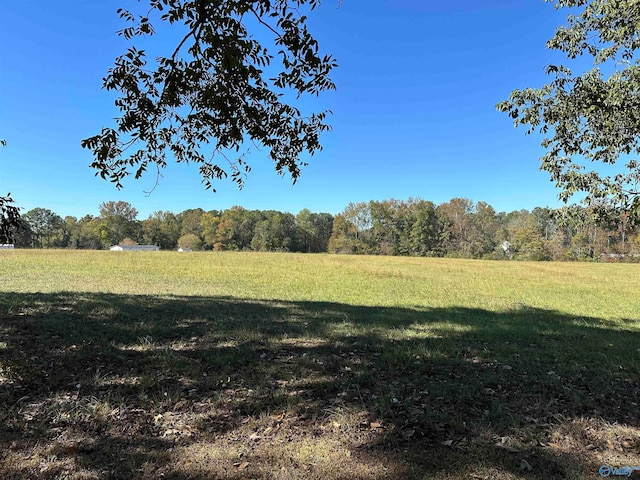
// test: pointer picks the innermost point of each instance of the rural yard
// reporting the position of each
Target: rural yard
(442, 296)
(117, 365)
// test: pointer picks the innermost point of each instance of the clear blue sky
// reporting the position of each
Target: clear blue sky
(414, 114)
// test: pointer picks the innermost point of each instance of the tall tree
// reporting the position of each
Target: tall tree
(162, 229)
(456, 216)
(323, 225)
(423, 229)
(43, 224)
(343, 236)
(10, 221)
(209, 222)
(593, 115)
(388, 222)
(274, 233)
(485, 226)
(215, 90)
(359, 215)
(527, 243)
(305, 230)
(235, 230)
(119, 221)
(190, 221)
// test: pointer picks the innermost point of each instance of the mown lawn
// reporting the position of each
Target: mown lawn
(118, 365)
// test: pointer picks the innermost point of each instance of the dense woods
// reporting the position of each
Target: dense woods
(416, 227)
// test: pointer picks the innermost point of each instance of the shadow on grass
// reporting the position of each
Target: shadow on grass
(114, 386)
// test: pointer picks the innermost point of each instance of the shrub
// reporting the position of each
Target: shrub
(190, 240)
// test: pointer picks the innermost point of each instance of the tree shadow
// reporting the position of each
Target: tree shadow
(109, 385)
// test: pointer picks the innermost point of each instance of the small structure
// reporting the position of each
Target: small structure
(185, 249)
(6, 246)
(134, 248)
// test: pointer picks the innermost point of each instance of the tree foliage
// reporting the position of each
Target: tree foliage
(416, 227)
(10, 221)
(592, 118)
(44, 225)
(118, 220)
(215, 91)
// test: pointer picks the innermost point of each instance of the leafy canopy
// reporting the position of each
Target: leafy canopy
(10, 220)
(591, 118)
(212, 93)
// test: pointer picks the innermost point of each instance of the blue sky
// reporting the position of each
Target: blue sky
(413, 116)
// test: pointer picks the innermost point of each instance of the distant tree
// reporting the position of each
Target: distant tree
(189, 221)
(590, 115)
(274, 233)
(545, 220)
(162, 229)
(484, 228)
(67, 229)
(209, 222)
(128, 242)
(118, 220)
(456, 216)
(236, 228)
(343, 236)
(424, 230)
(323, 224)
(224, 239)
(359, 215)
(43, 224)
(215, 91)
(305, 231)
(190, 240)
(90, 233)
(388, 224)
(403, 227)
(524, 236)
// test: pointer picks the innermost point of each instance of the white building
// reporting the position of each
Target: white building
(134, 248)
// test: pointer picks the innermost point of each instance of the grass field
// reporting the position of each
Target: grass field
(119, 365)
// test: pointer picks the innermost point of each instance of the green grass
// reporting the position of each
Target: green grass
(246, 365)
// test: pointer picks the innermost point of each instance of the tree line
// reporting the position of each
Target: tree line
(414, 227)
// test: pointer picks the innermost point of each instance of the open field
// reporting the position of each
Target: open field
(117, 365)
